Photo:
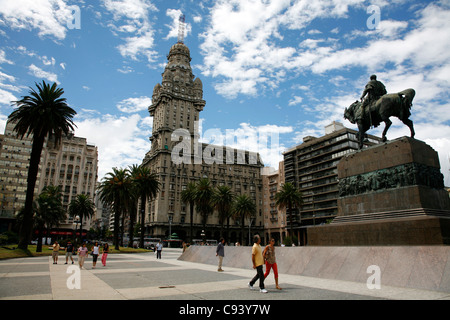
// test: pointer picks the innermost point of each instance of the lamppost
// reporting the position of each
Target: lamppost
(249, 231)
(77, 221)
(203, 236)
(170, 229)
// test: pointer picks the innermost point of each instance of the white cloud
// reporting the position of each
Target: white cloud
(132, 105)
(295, 100)
(3, 58)
(121, 141)
(249, 52)
(6, 97)
(39, 73)
(131, 21)
(48, 62)
(49, 17)
(197, 19)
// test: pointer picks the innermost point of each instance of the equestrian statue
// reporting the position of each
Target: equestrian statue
(376, 106)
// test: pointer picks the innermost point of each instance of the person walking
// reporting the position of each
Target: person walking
(105, 253)
(82, 253)
(55, 252)
(220, 252)
(271, 263)
(95, 253)
(258, 262)
(69, 252)
(159, 247)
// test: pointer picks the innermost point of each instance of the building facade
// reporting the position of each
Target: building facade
(312, 168)
(274, 217)
(178, 158)
(14, 162)
(71, 165)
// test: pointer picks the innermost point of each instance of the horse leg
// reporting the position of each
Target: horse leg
(410, 125)
(387, 123)
(360, 135)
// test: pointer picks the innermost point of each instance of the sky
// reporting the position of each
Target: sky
(282, 69)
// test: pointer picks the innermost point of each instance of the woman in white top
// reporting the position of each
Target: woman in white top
(95, 252)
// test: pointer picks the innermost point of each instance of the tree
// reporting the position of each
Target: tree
(243, 207)
(288, 197)
(48, 211)
(44, 113)
(115, 190)
(147, 186)
(188, 197)
(203, 197)
(83, 207)
(223, 201)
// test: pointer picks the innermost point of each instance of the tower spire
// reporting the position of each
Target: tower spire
(181, 26)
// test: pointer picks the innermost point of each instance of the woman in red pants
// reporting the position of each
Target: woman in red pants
(105, 253)
(271, 263)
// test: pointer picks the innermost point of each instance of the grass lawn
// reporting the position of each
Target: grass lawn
(11, 251)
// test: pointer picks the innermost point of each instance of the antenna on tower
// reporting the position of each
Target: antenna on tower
(181, 28)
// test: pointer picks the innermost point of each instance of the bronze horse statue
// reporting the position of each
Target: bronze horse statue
(390, 105)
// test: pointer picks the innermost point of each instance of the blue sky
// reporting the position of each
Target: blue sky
(285, 68)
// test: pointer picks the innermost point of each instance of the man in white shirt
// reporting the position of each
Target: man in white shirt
(159, 247)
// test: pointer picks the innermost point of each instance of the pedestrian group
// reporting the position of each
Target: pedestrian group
(259, 258)
(82, 253)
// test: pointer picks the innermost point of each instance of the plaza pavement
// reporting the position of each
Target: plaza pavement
(142, 276)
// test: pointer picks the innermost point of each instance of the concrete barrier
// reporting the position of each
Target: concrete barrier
(421, 267)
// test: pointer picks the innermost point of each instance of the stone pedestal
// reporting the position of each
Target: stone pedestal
(390, 194)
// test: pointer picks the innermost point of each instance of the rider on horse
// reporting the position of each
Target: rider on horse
(374, 90)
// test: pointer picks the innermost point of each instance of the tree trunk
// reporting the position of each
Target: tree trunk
(116, 228)
(191, 205)
(131, 229)
(39, 242)
(143, 202)
(27, 222)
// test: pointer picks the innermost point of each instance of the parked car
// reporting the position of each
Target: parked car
(150, 243)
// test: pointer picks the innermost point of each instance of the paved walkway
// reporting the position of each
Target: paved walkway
(142, 276)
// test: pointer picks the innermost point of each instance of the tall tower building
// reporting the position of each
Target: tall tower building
(176, 105)
(177, 102)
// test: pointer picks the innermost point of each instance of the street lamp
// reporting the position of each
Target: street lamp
(249, 230)
(203, 236)
(77, 221)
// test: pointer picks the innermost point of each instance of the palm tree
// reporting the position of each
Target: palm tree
(288, 197)
(147, 186)
(223, 200)
(203, 197)
(42, 114)
(115, 190)
(48, 210)
(83, 207)
(188, 196)
(243, 207)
